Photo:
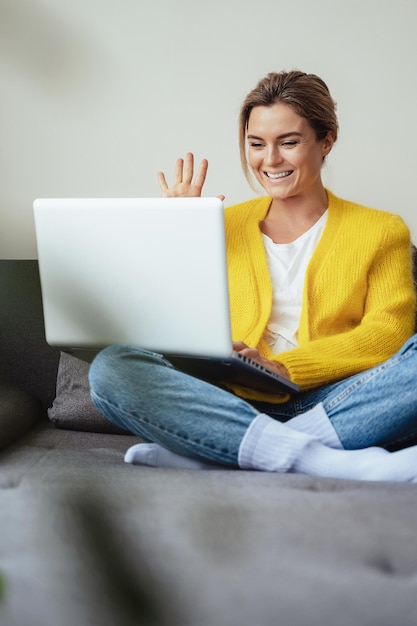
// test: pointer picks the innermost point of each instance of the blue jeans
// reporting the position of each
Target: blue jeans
(142, 392)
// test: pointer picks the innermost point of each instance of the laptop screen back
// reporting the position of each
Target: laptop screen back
(145, 271)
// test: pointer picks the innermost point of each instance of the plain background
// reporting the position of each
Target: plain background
(96, 97)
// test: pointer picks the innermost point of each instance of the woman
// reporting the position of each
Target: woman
(320, 290)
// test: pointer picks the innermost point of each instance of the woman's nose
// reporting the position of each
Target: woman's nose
(273, 155)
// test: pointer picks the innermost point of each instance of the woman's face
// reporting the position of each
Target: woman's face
(283, 152)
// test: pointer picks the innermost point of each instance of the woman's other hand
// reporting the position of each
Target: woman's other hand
(184, 186)
(252, 353)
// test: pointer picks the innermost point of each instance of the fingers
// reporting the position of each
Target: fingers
(162, 182)
(252, 353)
(187, 168)
(238, 346)
(201, 175)
(183, 178)
(184, 169)
(178, 171)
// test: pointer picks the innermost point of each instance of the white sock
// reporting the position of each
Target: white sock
(316, 422)
(154, 455)
(271, 446)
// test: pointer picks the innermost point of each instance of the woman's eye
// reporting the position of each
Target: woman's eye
(289, 144)
(255, 144)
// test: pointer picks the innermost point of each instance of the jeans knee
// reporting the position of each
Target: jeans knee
(102, 369)
(116, 366)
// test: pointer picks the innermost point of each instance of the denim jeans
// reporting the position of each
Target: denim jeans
(142, 392)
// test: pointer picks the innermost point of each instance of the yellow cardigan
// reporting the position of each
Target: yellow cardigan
(358, 302)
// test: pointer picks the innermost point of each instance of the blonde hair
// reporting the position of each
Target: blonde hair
(307, 94)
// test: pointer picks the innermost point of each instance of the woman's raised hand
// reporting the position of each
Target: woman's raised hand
(184, 186)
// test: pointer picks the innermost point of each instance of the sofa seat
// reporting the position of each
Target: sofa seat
(206, 548)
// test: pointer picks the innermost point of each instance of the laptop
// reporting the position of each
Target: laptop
(149, 272)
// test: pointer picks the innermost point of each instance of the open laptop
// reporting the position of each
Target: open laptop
(144, 271)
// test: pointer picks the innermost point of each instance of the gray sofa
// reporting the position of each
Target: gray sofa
(86, 539)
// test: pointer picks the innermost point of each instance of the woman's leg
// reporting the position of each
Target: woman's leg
(142, 392)
(377, 407)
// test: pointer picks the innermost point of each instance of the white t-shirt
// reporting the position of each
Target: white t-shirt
(287, 264)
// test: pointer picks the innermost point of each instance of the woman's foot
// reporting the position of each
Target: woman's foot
(154, 455)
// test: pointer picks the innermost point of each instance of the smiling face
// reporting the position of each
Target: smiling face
(284, 153)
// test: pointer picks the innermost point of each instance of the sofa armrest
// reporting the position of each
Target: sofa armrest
(27, 362)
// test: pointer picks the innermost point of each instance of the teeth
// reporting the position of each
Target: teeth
(280, 175)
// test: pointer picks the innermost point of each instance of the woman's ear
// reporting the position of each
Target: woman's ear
(328, 142)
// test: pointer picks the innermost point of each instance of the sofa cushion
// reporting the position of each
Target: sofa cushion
(81, 530)
(72, 407)
(19, 411)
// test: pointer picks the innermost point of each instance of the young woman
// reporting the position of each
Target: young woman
(320, 289)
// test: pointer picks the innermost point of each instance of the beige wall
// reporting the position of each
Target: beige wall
(97, 96)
